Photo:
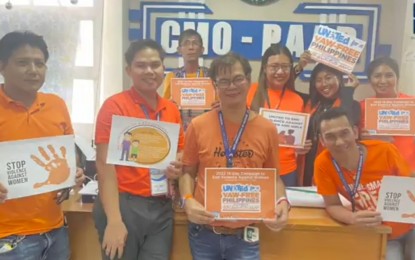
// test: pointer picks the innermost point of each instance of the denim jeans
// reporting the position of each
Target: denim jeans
(52, 245)
(398, 248)
(290, 179)
(206, 245)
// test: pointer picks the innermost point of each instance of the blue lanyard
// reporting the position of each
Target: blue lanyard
(357, 180)
(231, 153)
(144, 108)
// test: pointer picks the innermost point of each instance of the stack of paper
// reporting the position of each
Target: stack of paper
(308, 197)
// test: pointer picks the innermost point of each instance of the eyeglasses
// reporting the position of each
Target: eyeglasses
(285, 67)
(226, 83)
(189, 43)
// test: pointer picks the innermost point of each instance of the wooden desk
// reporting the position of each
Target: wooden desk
(310, 234)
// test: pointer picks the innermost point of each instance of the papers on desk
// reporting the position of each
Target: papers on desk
(91, 188)
(308, 197)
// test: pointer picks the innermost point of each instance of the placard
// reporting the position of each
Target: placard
(292, 127)
(390, 116)
(335, 48)
(396, 201)
(193, 93)
(142, 143)
(35, 166)
(241, 193)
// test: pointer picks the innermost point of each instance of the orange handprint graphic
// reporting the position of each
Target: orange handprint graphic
(412, 197)
(57, 167)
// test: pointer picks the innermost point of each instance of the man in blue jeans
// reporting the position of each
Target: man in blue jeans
(31, 228)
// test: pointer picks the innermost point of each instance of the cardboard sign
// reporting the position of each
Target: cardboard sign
(390, 116)
(37, 166)
(292, 127)
(241, 193)
(396, 201)
(142, 143)
(193, 93)
(336, 49)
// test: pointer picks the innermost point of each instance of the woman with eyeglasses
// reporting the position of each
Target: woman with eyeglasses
(275, 90)
(327, 90)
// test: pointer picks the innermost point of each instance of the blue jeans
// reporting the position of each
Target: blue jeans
(290, 179)
(206, 245)
(52, 245)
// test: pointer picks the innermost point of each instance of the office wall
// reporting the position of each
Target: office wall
(394, 29)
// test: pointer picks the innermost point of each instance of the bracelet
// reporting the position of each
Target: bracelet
(184, 198)
(281, 199)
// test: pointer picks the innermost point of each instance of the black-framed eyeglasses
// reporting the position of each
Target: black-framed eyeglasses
(226, 83)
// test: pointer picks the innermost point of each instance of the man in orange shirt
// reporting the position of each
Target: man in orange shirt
(205, 147)
(132, 223)
(355, 170)
(31, 227)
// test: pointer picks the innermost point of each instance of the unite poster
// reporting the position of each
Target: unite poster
(193, 93)
(336, 49)
(390, 116)
(241, 193)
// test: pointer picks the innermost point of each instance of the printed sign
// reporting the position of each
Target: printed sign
(241, 193)
(38, 165)
(142, 143)
(397, 199)
(292, 127)
(336, 49)
(193, 93)
(390, 116)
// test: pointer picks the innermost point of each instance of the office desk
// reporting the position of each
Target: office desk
(310, 234)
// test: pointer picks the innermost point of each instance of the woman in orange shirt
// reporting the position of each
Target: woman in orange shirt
(383, 74)
(327, 90)
(275, 90)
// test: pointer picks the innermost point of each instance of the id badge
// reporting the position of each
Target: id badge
(159, 184)
(251, 234)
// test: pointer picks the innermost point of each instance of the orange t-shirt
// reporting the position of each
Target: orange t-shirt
(382, 159)
(405, 144)
(48, 116)
(128, 103)
(292, 102)
(204, 147)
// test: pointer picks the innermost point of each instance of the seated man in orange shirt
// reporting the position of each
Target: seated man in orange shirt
(133, 223)
(355, 170)
(205, 138)
(31, 228)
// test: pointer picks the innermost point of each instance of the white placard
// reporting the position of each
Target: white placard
(36, 166)
(396, 201)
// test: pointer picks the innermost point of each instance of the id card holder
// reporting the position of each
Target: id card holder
(159, 185)
(251, 234)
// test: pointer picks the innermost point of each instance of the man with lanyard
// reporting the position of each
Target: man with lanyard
(191, 49)
(132, 222)
(223, 138)
(355, 170)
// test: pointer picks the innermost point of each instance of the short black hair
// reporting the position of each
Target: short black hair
(189, 33)
(137, 46)
(226, 62)
(388, 61)
(330, 114)
(17, 39)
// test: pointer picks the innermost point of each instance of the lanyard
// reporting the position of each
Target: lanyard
(144, 108)
(279, 102)
(357, 180)
(230, 153)
(183, 73)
